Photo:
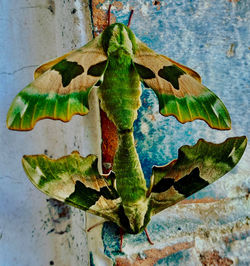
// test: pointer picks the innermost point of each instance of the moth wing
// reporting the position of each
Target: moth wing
(60, 89)
(179, 89)
(196, 167)
(186, 69)
(74, 180)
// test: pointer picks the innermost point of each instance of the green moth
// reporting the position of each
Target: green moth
(118, 63)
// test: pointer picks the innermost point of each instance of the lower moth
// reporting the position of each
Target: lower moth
(118, 62)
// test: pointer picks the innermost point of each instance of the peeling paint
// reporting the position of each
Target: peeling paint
(153, 255)
(231, 50)
(51, 6)
(213, 258)
(100, 15)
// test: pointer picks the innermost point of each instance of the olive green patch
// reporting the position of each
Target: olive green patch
(48, 175)
(171, 74)
(85, 197)
(98, 69)
(190, 183)
(68, 71)
(163, 185)
(144, 72)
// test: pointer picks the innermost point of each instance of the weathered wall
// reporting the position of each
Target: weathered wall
(212, 227)
(34, 230)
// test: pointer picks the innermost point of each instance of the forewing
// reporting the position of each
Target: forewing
(179, 89)
(46, 66)
(196, 167)
(61, 88)
(75, 180)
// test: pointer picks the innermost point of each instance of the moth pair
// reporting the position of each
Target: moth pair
(120, 62)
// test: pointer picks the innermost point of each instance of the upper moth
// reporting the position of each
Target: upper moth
(118, 62)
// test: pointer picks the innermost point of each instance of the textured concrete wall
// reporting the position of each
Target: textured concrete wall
(212, 227)
(33, 229)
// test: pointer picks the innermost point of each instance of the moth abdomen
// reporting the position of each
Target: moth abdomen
(128, 169)
(130, 182)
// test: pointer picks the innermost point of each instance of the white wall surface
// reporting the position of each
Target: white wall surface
(33, 230)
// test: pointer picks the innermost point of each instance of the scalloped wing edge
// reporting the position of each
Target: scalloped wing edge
(75, 180)
(60, 89)
(179, 90)
(196, 167)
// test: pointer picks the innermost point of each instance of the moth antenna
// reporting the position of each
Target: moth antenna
(94, 226)
(109, 14)
(130, 17)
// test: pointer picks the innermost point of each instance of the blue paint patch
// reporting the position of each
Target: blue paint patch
(156, 136)
(159, 231)
(172, 226)
(179, 258)
(111, 239)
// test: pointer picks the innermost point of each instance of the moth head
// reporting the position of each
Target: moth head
(136, 214)
(118, 37)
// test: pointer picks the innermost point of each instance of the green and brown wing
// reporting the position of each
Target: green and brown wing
(179, 89)
(196, 167)
(74, 180)
(60, 89)
(48, 65)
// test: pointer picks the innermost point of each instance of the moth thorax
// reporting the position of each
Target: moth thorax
(136, 214)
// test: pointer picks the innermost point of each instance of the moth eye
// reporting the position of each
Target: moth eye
(190, 183)
(63, 68)
(171, 74)
(97, 69)
(144, 72)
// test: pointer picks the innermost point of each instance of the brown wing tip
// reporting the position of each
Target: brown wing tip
(38, 72)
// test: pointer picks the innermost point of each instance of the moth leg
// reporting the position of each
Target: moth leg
(149, 240)
(95, 225)
(130, 17)
(121, 238)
